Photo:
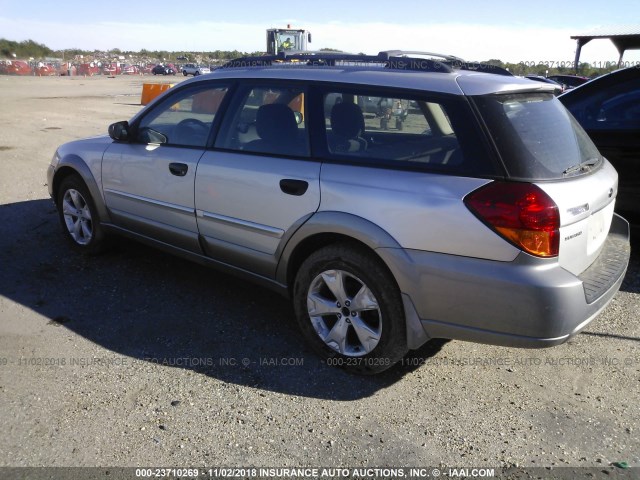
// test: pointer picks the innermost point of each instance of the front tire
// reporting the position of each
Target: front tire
(79, 217)
(349, 309)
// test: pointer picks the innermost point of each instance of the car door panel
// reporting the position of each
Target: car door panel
(259, 183)
(148, 182)
(144, 196)
(243, 214)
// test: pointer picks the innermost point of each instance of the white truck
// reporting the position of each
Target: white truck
(195, 70)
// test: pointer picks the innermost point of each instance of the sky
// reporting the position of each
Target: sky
(510, 31)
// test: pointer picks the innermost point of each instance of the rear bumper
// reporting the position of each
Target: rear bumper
(529, 302)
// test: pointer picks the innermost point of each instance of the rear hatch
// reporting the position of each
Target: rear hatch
(540, 142)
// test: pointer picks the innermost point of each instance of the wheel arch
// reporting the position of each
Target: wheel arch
(326, 228)
(74, 165)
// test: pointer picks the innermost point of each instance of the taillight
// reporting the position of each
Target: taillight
(521, 213)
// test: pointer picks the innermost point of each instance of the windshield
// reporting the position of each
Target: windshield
(289, 40)
(538, 139)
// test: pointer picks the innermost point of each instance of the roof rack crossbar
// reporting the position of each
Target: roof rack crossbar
(406, 53)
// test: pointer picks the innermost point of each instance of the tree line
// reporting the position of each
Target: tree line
(26, 49)
(31, 49)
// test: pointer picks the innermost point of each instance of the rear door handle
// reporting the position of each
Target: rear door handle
(178, 169)
(293, 187)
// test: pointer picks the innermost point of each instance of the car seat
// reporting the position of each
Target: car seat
(278, 131)
(347, 126)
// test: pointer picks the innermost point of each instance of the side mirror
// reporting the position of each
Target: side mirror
(119, 131)
(299, 117)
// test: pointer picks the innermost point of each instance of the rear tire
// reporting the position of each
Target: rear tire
(79, 217)
(349, 309)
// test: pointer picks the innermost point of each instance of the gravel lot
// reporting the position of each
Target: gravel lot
(136, 358)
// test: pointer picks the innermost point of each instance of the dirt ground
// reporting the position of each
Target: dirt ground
(136, 358)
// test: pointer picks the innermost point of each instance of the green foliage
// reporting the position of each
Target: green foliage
(552, 68)
(25, 49)
(495, 63)
(71, 52)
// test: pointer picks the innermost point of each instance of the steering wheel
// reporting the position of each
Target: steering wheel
(191, 131)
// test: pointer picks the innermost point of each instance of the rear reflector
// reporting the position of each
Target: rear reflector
(522, 213)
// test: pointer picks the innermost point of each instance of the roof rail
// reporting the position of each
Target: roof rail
(389, 59)
(330, 59)
(412, 53)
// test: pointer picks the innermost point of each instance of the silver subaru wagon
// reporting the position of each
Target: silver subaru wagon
(395, 198)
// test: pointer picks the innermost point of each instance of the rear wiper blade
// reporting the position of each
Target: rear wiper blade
(582, 167)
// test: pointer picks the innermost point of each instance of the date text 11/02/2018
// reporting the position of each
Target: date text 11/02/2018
(571, 64)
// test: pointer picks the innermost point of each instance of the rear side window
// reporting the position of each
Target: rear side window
(268, 120)
(399, 130)
(536, 136)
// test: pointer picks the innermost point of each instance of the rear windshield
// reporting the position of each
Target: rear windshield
(538, 139)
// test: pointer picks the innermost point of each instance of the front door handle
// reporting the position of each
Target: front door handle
(178, 169)
(293, 187)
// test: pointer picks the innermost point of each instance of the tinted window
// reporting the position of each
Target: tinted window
(536, 136)
(183, 119)
(403, 131)
(613, 108)
(569, 80)
(269, 120)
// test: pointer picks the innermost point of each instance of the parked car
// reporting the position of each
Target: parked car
(195, 70)
(608, 108)
(147, 68)
(163, 70)
(88, 69)
(46, 69)
(557, 88)
(112, 69)
(383, 239)
(131, 70)
(17, 67)
(569, 81)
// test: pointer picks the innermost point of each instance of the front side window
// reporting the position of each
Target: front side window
(402, 131)
(182, 120)
(267, 120)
